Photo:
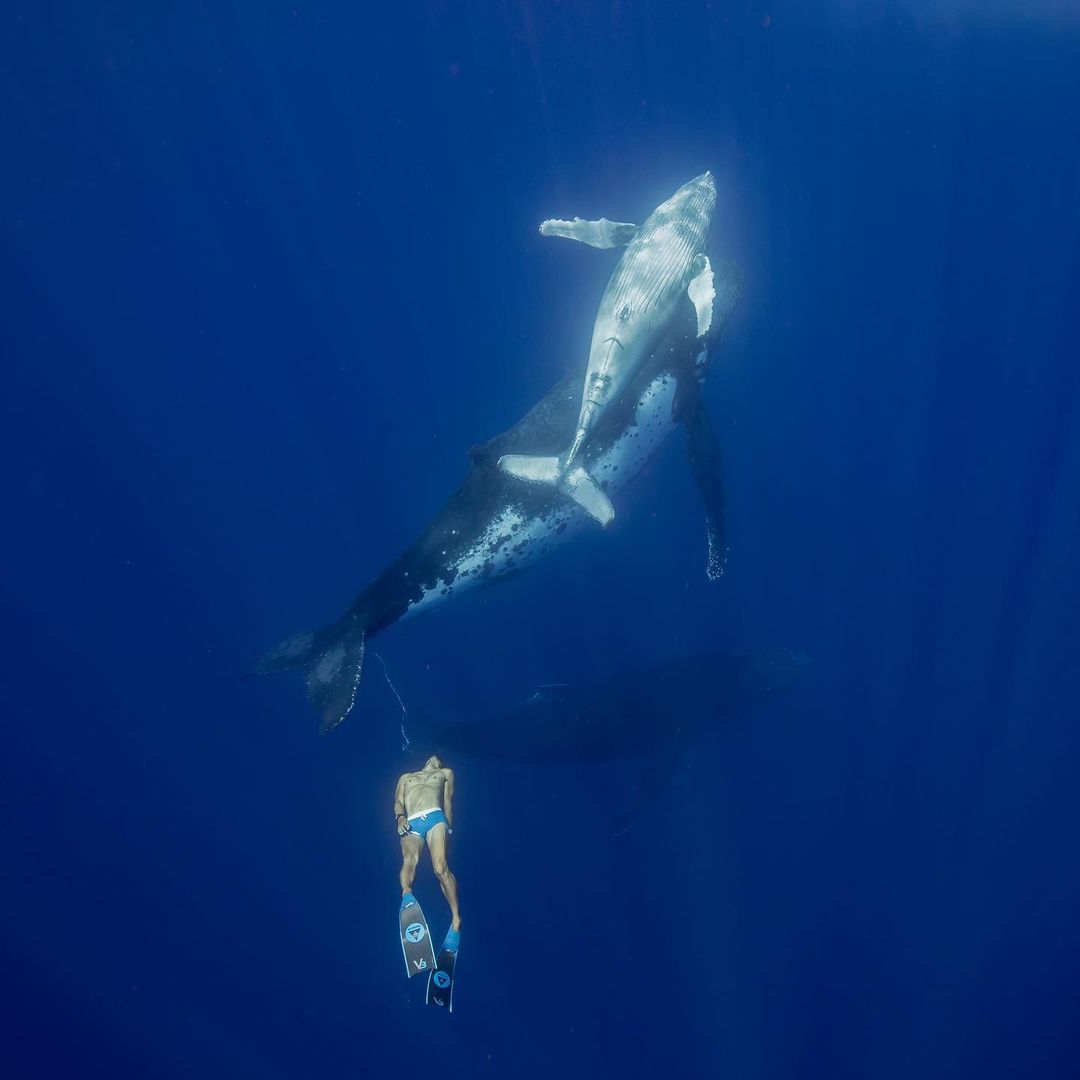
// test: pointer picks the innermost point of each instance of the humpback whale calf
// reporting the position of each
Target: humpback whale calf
(655, 714)
(495, 526)
(664, 267)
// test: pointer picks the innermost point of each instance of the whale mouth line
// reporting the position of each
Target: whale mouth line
(616, 340)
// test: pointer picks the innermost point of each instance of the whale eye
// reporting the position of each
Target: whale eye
(625, 312)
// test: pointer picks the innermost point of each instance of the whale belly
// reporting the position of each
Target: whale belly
(635, 313)
(514, 541)
(517, 538)
(653, 421)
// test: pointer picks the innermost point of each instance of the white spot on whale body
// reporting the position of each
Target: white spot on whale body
(492, 542)
(654, 418)
(511, 542)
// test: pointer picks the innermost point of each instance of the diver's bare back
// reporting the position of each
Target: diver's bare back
(423, 790)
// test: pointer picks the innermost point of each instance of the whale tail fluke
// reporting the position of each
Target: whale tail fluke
(332, 659)
(541, 470)
(577, 483)
(588, 494)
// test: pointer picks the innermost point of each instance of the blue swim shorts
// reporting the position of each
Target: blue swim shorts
(421, 824)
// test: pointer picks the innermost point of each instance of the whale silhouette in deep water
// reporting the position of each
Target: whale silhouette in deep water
(497, 525)
(656, 713)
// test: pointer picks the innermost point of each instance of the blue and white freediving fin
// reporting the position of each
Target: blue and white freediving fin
(440, 987)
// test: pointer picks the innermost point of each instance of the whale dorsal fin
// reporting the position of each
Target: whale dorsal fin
(552, 691)
(549, 694)
(597, 234)
(702, 293)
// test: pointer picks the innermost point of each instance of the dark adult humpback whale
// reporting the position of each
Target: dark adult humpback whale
(656, 714)
(495, 525)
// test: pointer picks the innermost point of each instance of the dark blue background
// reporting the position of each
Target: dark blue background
(269, 269)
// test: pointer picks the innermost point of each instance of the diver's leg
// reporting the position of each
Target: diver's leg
(410, 856)
(437, 844)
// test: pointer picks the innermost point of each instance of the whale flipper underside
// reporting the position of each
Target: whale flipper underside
(332, 659)
(702, 293)
(598, 234)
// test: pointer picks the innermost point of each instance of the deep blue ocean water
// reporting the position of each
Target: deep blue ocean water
(270, 269)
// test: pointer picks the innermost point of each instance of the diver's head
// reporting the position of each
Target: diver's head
(433, 762)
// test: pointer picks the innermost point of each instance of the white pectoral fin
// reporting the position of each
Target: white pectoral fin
(541, 470)
(597, 234)
(587, 493)
(702, 293)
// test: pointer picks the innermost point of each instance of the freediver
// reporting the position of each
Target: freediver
(424, 814)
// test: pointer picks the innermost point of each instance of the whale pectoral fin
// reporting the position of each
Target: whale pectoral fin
(597, 234)
(702, 293)
(655, 778)
(707, 467)
(588, 494)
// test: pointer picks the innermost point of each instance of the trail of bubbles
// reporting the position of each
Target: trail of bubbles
(406, 745)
